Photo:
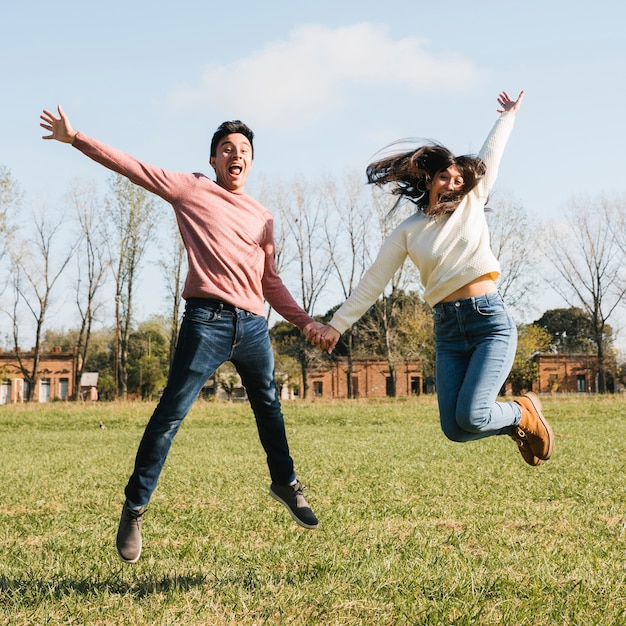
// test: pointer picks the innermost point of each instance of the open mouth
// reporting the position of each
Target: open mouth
(449, 196)
(235, 170)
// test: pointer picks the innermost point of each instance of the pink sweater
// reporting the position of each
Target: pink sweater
(229, 236)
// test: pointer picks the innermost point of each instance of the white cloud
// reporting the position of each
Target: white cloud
(293, 82)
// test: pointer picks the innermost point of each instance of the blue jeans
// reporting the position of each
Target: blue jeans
(476, 340)
(210, 335)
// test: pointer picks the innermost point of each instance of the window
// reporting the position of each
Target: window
(64, 385)
(355, 386)
(5, 392)
(44, 390)
(318, 388)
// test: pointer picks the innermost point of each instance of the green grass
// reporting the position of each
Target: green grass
(413, 529)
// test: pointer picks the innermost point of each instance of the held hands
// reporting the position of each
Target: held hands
(504, 100)
(323, 337)
(59, 127)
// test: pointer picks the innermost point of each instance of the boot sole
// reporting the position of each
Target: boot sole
(536, 402)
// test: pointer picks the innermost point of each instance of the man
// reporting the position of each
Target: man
(230, 248)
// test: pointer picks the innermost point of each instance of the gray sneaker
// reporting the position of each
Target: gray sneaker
(291, 496)
(128, 539)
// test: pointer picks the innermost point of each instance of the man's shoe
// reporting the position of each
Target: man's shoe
(292, 497)
(129, 534)
(535, 428)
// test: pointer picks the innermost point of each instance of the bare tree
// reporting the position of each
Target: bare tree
(414, 324)
(92, 265)
(270, 195)
(36, 268)
(589, 259)
(346, 239)
(173, 268)
(513, 241)
(405, 279)
(303, 214)
(10, 198)
(132, 212)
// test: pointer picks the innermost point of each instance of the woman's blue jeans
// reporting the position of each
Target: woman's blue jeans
(209, 336)
(476, 340)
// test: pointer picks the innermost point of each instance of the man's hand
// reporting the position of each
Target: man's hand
(323, 337)
(59, 127)
(311, 332)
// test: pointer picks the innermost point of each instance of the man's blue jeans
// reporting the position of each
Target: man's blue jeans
(476, 340)
(209, 336)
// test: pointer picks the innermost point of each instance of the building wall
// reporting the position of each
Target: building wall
(567, 373)
(557, 373)
(369, 379)
(57, 372)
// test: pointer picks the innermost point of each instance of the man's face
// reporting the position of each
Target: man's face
(232, 160)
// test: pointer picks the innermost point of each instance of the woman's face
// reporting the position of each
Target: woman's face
(444, 182)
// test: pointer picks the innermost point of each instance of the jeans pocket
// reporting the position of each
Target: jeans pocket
(489, 309)
(201, 315)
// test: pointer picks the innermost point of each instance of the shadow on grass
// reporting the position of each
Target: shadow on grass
(141, 586)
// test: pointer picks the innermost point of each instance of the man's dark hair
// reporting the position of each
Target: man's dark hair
(228, 128)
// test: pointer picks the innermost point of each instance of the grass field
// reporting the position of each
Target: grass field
(413, 529)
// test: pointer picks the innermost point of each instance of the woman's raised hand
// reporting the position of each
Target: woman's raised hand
(504, 100)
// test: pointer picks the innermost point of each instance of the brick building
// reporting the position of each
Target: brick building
(556, 373)
(57, 373)
(370, 379)
(566, 373)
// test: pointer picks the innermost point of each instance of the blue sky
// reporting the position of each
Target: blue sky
(323, 84)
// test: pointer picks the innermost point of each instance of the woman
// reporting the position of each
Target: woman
(448, 240)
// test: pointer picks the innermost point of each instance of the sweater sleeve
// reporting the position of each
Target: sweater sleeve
(390, 257)
(492, 151)
(274, 290)
(165, 184)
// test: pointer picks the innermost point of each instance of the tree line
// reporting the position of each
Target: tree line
(89, 258)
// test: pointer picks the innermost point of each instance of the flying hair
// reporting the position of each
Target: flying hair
(408, 172)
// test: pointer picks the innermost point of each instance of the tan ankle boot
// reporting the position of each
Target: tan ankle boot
(534, 428)
(519, 436)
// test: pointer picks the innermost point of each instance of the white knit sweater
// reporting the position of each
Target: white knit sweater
(449, 251)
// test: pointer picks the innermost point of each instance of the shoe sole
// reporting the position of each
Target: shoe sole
(293, 515)
(536, 402)
(128, 560)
